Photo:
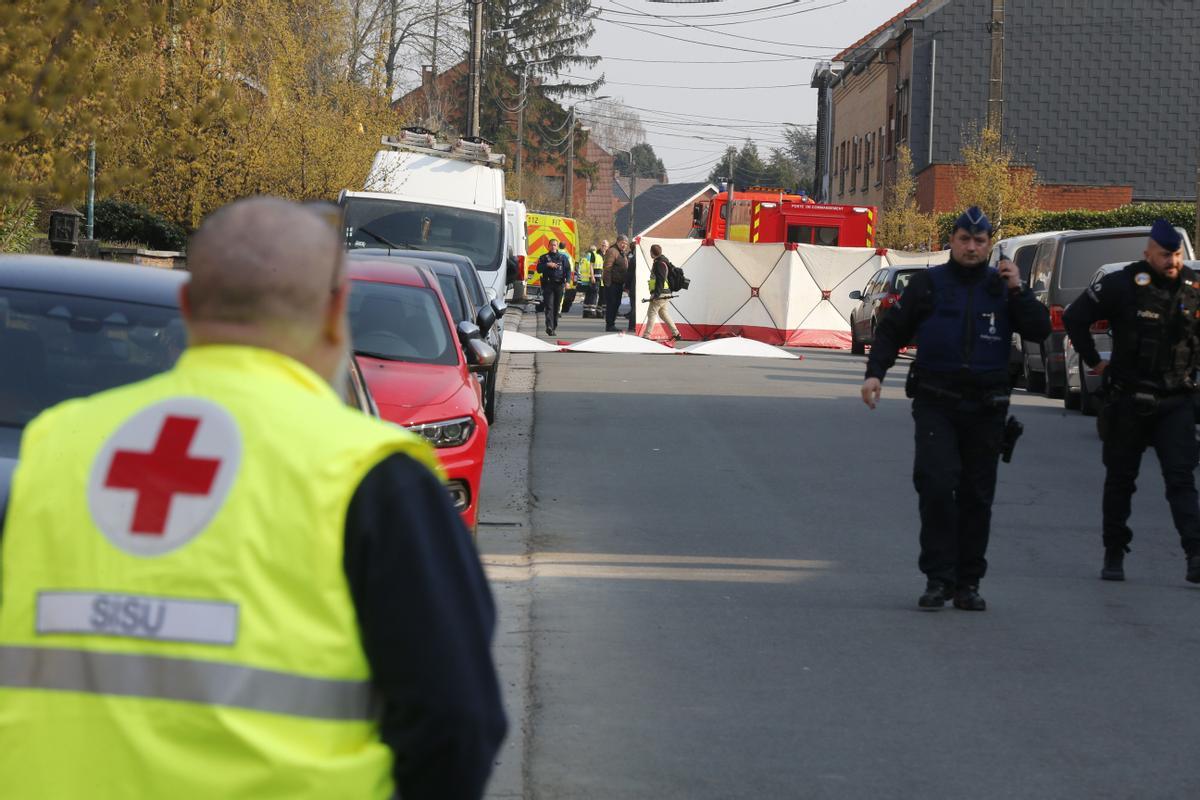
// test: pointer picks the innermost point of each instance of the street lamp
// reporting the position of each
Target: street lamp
(569, 178)
(632, 188)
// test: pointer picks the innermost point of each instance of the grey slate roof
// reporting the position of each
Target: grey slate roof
(657, 202)
(1100, 92)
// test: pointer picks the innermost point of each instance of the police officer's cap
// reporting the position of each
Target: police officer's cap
(1165, 235)
(974, 222)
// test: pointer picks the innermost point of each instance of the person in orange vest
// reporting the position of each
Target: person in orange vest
(224, 582)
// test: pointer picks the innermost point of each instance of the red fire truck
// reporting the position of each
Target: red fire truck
(762, 214)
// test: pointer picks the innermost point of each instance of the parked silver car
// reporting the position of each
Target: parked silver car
(1021, 250)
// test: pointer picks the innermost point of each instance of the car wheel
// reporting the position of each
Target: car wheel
(1089, 404)
(489, 396)
(1035, 382)
(856, 347)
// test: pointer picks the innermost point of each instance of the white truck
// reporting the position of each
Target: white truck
(422, 194)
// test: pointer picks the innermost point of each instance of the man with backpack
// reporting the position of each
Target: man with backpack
(660, 288)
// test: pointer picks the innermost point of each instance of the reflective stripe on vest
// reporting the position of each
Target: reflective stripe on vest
(184, 679)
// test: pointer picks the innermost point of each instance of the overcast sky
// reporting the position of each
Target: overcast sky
(778, 47)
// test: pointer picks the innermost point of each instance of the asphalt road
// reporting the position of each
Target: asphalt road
(718, 599)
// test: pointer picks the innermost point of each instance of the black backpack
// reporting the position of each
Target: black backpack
(676, 280)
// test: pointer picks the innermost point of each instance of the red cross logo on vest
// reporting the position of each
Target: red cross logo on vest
(163, 475)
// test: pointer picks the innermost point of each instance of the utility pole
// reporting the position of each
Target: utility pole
(995, 27)
(521, 124)
(570, 176)
(729, 197)
(475, 77)
(632, 195)
(431, 99)
(1196, 240)
(91, 201)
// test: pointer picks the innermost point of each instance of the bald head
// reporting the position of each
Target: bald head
(263, 262)
(268, 273)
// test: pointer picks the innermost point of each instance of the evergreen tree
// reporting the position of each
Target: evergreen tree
(645, 162)
(543, 39)
(748, 167)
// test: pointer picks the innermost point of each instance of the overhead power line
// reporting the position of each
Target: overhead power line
(700, 88)
(724, 47)
(707, 118)
(731, 35)
(723, 13)
(674, 24)
(715, 63)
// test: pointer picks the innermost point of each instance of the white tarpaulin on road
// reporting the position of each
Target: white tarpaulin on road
(620, 343)
(781, 294)
(517, 342)
(739, 347)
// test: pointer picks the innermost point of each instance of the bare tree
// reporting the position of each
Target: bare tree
(615, 126)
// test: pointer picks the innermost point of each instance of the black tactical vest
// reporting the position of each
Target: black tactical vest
(1161, 345)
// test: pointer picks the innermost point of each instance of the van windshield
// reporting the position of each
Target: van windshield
(1082, 257)
(372, 222)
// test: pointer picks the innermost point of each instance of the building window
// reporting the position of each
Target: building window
(869, 147)
(856, 165)
(879, 166)
(902, 98)
(891, 133)
(842, 169)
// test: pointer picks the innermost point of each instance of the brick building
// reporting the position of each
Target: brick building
(1083, 85)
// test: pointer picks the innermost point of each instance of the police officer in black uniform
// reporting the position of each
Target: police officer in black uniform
(961, 316)
(1152, 307)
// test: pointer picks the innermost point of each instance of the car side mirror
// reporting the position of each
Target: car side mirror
(480, 355)
(467, 331)
(856, 295)
(486, 318)
(499, 307)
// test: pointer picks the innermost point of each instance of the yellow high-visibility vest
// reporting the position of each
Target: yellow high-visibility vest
(587, 266)
(175, 620)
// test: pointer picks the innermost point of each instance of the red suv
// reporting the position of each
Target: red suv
(418, 367)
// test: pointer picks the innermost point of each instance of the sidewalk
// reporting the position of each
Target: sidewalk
(504, 531)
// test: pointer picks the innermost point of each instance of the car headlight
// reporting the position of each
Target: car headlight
(450, 433)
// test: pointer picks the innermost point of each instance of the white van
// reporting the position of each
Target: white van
(425, 195)
(514, 219)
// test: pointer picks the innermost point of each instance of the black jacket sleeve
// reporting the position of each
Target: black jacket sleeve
(426, 616)
(1028, 316)
(1096, 303)
(899, 325)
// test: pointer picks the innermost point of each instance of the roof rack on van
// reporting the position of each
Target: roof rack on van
(421, 140)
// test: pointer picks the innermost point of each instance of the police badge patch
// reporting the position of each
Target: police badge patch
(1142, 279)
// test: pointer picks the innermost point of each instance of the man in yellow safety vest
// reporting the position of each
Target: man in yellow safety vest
(589, 278)
(223, 582)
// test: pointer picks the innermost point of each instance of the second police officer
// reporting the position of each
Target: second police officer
(962, 316)
(1152, 307)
